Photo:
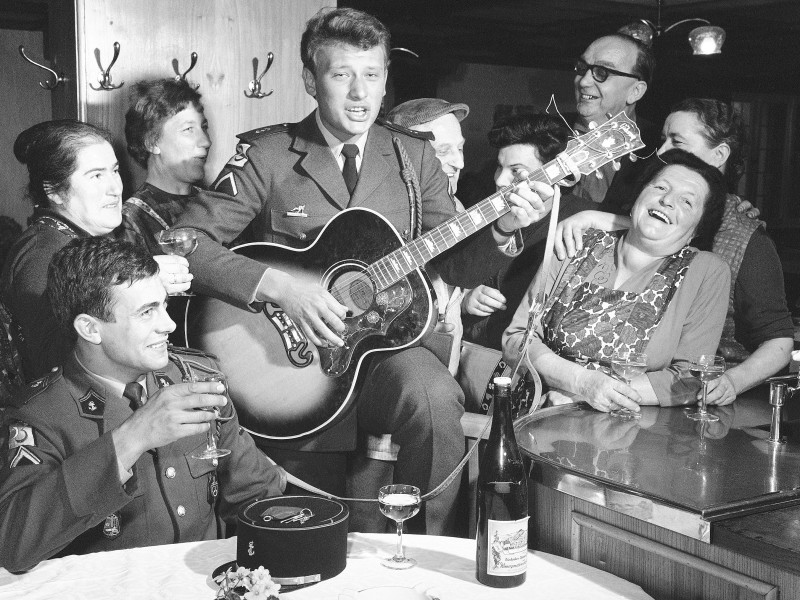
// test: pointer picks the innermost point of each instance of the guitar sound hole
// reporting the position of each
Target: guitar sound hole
(355, 291)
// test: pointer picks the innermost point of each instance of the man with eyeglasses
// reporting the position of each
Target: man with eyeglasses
(612, 75)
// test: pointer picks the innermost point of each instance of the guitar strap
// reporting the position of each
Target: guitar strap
(409, 176)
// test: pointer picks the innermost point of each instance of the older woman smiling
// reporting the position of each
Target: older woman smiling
(644, 290)
(77, 192)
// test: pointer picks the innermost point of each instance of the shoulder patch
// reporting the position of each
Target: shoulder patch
(20, 434)
(24, 456)
(92, 405)
(226, 184)
(239, 160)
(249, 136)
(422, 135)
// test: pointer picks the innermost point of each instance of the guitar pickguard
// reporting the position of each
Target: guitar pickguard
(294, 341)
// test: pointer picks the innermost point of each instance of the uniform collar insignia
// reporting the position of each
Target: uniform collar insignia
(92, 405)
(162, 379)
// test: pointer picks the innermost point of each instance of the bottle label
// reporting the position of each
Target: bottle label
(508, 547)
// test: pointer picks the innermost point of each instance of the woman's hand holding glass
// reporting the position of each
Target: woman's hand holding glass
(174, 273)
(605, 393)
(176, 244)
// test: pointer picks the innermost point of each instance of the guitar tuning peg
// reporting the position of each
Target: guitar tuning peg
(633, 157)
(616, 164)
(598, 174)
(592, 125)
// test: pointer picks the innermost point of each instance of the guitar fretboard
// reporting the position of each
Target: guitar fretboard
(391, 268)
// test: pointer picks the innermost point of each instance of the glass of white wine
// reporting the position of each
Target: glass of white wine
(181, 242)
(211, 450)
(706, 367)
(628, 365)
(399, 502)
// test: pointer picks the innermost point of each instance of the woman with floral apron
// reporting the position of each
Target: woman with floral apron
(645, 290)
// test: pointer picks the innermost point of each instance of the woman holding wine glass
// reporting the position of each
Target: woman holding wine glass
(645, 290)
(77, 192)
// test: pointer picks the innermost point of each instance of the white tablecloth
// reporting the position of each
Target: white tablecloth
(446, 567)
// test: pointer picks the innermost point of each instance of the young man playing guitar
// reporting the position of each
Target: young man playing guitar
(284, 184)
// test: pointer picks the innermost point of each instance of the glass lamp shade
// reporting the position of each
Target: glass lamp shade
(707, 40)
(640, 30)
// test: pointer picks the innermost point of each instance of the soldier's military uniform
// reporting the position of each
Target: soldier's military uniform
(60, 490)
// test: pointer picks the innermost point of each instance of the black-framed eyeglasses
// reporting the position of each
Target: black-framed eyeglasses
(599, 72)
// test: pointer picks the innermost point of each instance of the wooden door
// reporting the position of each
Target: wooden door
(157, 38)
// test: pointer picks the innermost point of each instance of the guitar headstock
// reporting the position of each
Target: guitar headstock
(613, 139)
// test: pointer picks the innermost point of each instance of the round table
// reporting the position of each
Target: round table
(446, 569)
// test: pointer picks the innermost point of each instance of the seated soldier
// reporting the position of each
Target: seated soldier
(100, 450)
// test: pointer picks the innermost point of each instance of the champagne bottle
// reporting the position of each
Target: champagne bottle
(502, 553)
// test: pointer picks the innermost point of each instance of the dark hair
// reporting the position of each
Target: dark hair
(152, 103)
(645, 64)
(544, 132)
(82, 274)
(342, 26)
(721, 124)
(714, 206)
(50, 151)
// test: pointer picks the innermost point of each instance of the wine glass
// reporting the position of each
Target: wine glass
(211, 451)
(706, 367)
(181, 242)
(628, 365)
(399, 502)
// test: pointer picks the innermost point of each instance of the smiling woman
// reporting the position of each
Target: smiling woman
(645, 290)
(76, 191)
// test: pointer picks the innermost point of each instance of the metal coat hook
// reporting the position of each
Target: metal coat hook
(255, 84)
(186, 72)
(57, 79)
(105, 75)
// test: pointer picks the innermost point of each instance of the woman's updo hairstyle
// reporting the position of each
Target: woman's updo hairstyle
(50, 151)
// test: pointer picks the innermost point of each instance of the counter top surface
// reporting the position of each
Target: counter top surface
(710, 470)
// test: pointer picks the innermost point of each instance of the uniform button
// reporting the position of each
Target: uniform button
(302, 236)
(170, 472)
(214, 462)
(181, 510)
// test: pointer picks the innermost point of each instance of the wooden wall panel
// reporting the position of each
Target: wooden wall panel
(226, 35)
(23, 104)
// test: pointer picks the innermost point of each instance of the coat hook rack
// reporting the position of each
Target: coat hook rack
(50, 85)
(186, 72)
(105, 75)
(255, 84)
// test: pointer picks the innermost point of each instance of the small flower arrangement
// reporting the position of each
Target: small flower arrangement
(244, 584)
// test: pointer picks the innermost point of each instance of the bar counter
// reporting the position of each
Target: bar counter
(684, 509)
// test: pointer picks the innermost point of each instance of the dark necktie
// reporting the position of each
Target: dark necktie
(134, 392)
(350, 151)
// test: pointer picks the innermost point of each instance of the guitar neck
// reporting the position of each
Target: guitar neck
(391, 268)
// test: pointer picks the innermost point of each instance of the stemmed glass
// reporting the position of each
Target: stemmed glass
(399, 502)
(706, 367)
(182, 242)
(211, 451)
(628, 365)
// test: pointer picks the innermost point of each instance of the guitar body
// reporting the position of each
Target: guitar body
(283, 386)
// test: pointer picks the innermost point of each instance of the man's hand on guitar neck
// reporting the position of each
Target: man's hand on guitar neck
(528, 205)
(310, 306)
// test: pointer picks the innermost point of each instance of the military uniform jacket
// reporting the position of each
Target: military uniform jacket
(284, 185)
(60, 490)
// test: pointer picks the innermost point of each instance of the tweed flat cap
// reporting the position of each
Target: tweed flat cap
(424, 110)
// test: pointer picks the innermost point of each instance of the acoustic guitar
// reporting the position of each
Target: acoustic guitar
(283, 386)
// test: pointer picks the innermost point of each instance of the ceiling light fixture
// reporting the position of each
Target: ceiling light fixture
(704, 40)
